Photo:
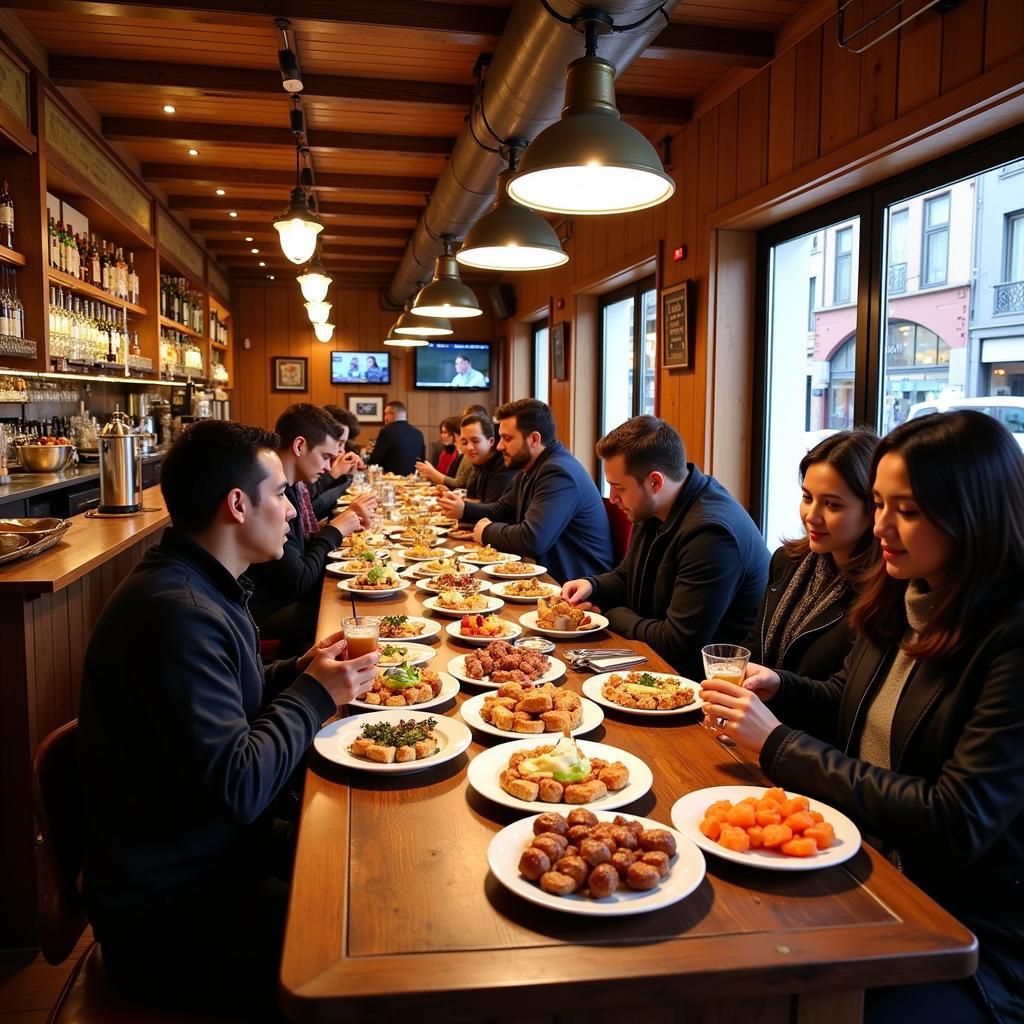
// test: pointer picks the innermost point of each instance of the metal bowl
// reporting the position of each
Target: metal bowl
(45, 458)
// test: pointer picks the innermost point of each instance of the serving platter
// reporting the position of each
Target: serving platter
(529, 620)
(593, 688)
(454, 630)
(470, 709)
(457, 667)
(449, 688)
(412, 654)
(427, 628)
(535, 570)
(346, 585)
(493, 604)
(501, 589)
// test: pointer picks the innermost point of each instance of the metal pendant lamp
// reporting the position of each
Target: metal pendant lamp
(314, 280)
(297, 225)
(511, 236)
(396, 340)
(590, 161)
(416, 325)
(446, 296)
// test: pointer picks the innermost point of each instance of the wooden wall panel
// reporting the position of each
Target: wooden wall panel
(840, 85)
(752, 131)
(920, 60)
(807, 113)
(879, 68)
(1004, 30)
(963, 47)
(781, 114)
(728, 123)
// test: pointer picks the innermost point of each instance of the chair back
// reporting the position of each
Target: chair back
(621, 527)
(57, 794)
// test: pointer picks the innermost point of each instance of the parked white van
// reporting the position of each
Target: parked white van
(1009, 410)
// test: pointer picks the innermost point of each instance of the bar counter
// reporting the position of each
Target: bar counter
(48, 607)
(394, 912)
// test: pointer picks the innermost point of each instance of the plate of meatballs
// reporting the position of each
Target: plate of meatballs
(595, 863)
(500, 662)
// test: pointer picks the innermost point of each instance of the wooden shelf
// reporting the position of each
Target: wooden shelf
(166, 321)
(219, 345)
(12, 257)
(91, 291)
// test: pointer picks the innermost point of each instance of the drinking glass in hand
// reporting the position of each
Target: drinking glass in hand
(361, 634)
(723, 661)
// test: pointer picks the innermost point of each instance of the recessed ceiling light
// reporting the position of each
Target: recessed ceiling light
(220, 191)
(169, 108)
(263, 263)
(193, 152)
(232, 213)
(254, 251)
(271, 276)
(248, 238)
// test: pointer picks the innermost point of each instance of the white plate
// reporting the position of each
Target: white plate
(493, 604)
(507, 847)
(593, 716)
(429, 584)
(501, 590)
(454, 629)
(346, 585)
(485, 768)
(338, 569)
(333, 740)
(592, 688)
(428, 628)
(434, 553)
(529, 619)
(492, 570)
(449, 688)
(394, 531)
(688, 812)
(468, 556)
(343, 554)
(457, 667)
(418, 570)
(415, 654)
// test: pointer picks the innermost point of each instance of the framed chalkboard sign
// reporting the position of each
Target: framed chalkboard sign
(675, 326)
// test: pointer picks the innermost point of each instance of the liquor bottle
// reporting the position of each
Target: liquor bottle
(5, 326)
(6, 216)
(62, 247)
(122, 276)
(17, 310)
(54, 249)
(95, 272)
(133, 280)
(104, 267)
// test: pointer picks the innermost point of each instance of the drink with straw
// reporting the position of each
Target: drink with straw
(361, 634)
(724, 661)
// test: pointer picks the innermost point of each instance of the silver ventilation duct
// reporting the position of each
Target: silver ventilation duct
(524, 91)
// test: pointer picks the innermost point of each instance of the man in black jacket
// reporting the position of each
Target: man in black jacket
(334, 481)
(490, 478)
(287, 593)
(696, 567)
(186, 741)
(399, 445)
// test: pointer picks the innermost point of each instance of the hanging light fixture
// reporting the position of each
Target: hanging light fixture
(323, 332)
(590, 161)
(446, 296)
(396, 340)
(297, 225)
(319, 312)
(511, 236)
(421, 326)
(291, 76)
(314, 280)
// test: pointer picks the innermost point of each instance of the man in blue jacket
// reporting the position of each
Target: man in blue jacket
(697, 566)
(552, 512)
(186, 741)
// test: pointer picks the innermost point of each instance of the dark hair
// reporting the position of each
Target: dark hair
(531, 415)
(368, 358)
(346, 419)
(486, 423)
(451, 424)
(210, 459)
(479, 410)
(967, 476)
(849, 453)
(396, 405)
(462, 355)
(646, 444)
(303, 419)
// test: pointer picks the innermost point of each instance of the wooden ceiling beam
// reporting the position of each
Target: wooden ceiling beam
(225, 229)
(369, 252)
(710, 44)
(127, 129)
(275, 206)
(240, 177)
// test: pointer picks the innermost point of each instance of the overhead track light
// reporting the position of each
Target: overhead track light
(291, 76)
(590, 161)
(314, 280)
(511, 236)
(323, 332)
(446, 296)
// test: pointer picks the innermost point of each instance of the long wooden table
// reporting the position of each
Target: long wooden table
(394, 914)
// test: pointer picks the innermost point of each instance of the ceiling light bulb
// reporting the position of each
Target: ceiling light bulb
(319, 312)
(314, 280)
(169, 108)
(248, 238)
(192, 151)
(446, 296)
(232, 213)
(254, 251)
(323, 332)
(298, 228)
(220, 192)
(270, 277)
(263, 263)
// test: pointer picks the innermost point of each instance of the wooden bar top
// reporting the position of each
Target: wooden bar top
(89, 543)
(393, 908)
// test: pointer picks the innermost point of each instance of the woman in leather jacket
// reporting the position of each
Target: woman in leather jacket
(802, 623)
(920, 737)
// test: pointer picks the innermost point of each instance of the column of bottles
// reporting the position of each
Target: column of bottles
(180, 303)
(6, 215)
(100, 264)
(87, 331)
(180, 356)
(218, 371)
(218, 328)
(12, 312)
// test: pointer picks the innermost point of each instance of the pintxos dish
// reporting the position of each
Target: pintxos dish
(560, 620)
(456, 605)
(501, 662)
(526, 590)
(408, 627)
(407, 685)
(544, 709)
(482, 629)
(644, 693)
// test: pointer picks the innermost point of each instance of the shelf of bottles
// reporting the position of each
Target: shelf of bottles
(218, 371)
(12, 318)
(180, 356)
(87, 333)
(218, 330)
(181, 308)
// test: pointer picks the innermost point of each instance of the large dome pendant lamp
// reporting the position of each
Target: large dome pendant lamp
(446, 296)
(511, 237)
(297, 225)
(590, 161)
(417, 326)
(395, 340)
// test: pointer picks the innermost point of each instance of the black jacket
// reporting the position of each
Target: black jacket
(552, 513)
(184, 738)
(693, 580)
(325, 491)
(819, 648)
(298, 573)
(491, 480)
(398, 448)
(952, 806)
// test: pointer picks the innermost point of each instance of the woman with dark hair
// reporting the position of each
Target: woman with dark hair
(928, 709)
(462, 468)
(802, 623)
(449, 455)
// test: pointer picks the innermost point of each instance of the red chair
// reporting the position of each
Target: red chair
(88, 997)
(621, 527)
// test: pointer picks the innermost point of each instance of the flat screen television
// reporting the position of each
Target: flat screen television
(459, 366)
(360, 368)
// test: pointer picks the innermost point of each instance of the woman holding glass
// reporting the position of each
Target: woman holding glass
(928, 709)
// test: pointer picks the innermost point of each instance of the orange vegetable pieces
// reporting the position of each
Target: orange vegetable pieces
(800, 821)
(822, 833)
(720, 810)
(756, 836)
(768, 813)
(711, 827)
(776, 835)
(775, 795)
(793, 805)
(733, 838)
(799, 846)
(773, 821)
(742, 816)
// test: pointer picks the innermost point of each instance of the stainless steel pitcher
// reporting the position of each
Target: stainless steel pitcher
(120, 467)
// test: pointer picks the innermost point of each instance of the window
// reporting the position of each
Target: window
(541, 362)
(1014, 247)
(844, 266)
(811, 302)
(897, 266)
(935, 261)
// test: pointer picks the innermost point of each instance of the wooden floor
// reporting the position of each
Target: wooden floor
(29, 985)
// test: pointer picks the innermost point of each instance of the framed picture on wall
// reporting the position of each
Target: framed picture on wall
(289, 373)
(675, 326)
(559, 342)
(366, 408)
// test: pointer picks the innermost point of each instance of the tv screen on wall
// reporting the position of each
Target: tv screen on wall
(460, 366)
(360, 368)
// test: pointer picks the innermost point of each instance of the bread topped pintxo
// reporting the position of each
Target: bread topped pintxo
(560, 772)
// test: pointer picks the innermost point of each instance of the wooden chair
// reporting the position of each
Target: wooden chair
(88, 997)
(621, 527)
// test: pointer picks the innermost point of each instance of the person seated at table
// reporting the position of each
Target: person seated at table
(399, 444)
(552, 511)
(490, 478)
(448, 454)
(802, 624)
(928, 708)
(464, 468)
(351, 420)
(186, 740)
(696, 566)
(286, 598)
(334, 481)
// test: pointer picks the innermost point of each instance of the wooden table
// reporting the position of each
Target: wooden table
(394, 914)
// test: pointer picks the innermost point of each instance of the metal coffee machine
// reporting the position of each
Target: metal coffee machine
(120, 467)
